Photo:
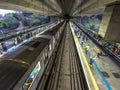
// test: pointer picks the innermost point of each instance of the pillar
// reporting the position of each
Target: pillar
(110, 25)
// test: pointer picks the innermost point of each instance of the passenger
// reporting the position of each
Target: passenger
(83, 37)
(87, 39)
(98, 51)
(92, 60)
(87, 48)
(82, 43)
(117, 51)
(80, 33)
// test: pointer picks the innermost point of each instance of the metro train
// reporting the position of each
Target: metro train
(22, 68)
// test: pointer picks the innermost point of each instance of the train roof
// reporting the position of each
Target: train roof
(10, 73)
(53, 31)
(29, 51)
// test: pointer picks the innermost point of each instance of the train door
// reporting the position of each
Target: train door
(24, 37)
(46, 54)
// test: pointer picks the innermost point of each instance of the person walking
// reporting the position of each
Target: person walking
(92, 59)
(99, 52)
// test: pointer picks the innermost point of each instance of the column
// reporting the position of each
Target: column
(110, 25)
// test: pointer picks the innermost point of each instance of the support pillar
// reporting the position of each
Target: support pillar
(110, 25)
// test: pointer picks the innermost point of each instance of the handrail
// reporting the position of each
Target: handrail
(14, 34)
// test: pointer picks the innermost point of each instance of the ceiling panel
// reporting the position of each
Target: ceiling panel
(57, 7)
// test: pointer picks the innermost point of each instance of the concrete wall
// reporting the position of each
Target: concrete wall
(105, 21)
(110, 26)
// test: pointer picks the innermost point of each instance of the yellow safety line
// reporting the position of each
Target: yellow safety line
(89, 70)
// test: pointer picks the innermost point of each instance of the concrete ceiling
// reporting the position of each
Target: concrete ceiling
(58, 7)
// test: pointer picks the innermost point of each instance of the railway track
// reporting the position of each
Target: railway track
(66, 72)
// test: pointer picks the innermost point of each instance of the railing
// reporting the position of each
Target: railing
(14, 34)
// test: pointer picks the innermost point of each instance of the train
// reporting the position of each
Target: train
(22, 68)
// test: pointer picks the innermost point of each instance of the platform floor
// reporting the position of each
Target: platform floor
(108, 67)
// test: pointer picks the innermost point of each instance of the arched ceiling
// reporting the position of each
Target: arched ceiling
(58, 7)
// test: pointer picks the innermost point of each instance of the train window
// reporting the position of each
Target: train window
(28, 43)
(36, 44)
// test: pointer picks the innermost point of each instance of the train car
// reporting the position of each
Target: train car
(55, 34)
(22, 68)
(24, 62)
(51, 34)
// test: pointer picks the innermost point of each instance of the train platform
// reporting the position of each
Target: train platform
(104, 73)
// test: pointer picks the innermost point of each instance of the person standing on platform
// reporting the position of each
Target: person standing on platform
(87, 48)
(98, 51)
(92, 59)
